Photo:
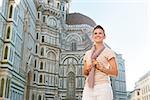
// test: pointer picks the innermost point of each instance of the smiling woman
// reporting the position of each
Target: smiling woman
(99, 65)
(127, 23)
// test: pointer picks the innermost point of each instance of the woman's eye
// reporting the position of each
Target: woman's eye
(95, 33)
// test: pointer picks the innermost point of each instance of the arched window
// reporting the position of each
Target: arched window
(42, 51)
(44, 19)
(36, 49)
(40, 79)
(38, 15)
(8, 88)
(6, 52)
(42, 38)
(8, 33)
(41, 65)
(37, 36)
(10, 11)
(48, 1)
(35, 63)
(74, 47)
(2, 88)
(32, 96)
(52, 61)
(34, 76)
(58, 5)
(39, 98)
(63, 8)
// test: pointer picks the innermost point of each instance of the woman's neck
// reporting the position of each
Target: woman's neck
(99, 45)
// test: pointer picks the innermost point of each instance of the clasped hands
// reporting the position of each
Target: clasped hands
(97, 65)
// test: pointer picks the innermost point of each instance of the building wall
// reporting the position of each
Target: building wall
(18, 22)
(41, 57)
(135, 95)
(74, 45)
(2, 25)
(119, 83)
(142, 88)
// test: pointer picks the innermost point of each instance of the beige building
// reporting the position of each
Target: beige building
(142, 88)
(41, 51)
(134, 95)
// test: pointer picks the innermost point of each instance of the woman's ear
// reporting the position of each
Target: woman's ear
(104, 36)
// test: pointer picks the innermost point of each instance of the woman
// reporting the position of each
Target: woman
(99, 65)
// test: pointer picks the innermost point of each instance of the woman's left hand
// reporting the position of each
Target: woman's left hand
(99, 66)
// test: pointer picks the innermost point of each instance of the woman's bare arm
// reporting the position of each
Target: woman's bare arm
(86, 69)
(113, 70)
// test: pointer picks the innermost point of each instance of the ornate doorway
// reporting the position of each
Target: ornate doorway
(71, 86)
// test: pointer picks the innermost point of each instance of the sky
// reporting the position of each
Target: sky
(127, 26)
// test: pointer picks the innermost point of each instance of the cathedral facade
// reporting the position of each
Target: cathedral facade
(41, 51)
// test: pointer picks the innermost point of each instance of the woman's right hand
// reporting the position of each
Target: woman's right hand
(87, 69)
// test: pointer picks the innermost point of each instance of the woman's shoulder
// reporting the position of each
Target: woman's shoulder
(109, 53)
(107, 49)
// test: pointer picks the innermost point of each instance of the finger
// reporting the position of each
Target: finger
(101, 64)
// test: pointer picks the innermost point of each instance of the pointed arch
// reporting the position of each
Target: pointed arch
(51, 55)
(81, 59)
(73, 36)
(69, 56)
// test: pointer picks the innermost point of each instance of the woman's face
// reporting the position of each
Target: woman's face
(98, 35)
